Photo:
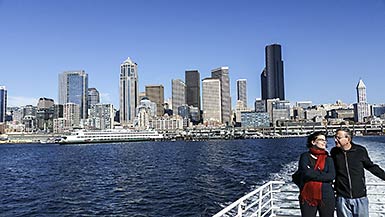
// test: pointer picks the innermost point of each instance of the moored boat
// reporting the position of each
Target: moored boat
(114, 135)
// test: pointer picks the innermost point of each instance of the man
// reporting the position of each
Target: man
(350, 160)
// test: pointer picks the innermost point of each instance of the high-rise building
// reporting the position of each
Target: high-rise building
(361, 108)
(128, 91)
(3, 103)
(211, 101)
(222, 74)
(272, 79)
(73, 87)
(93, 97)
(71, 114)
(241, 91)
(178, 94)
(102, 116)
(155, 93)
(192, 79)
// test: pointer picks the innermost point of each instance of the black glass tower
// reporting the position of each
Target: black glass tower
(192, 80)
(272, 79)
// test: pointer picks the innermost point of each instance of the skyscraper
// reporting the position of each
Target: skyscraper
(3, 103)
(73, 86)
(222, 74)
(93, 96)
(178, 94)
(211, 101)
(128, 91)
(241, 91)
(272, 79)
(361, 108)
(155, 93)
(192, 79)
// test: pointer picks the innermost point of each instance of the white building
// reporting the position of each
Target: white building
(128, 91)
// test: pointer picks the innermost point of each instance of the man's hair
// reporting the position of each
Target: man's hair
(348, 132)
(313, 137)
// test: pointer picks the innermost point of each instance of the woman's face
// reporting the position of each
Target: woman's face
(320, 142)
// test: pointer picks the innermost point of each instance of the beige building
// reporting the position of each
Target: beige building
(211, 101)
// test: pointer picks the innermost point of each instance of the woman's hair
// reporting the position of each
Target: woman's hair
(313, 137)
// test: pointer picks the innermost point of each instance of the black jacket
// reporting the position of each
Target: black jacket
(306, 169)
(350, 175)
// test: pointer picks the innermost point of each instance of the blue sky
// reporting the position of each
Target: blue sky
(327, 45)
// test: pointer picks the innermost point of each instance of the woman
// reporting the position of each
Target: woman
(317, 173)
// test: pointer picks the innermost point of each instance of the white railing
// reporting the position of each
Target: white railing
(277, 198)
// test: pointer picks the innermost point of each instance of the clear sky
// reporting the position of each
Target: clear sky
(327, 45)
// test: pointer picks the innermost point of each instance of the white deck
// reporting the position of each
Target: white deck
(277, 198)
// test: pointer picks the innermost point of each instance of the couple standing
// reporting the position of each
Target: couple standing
(345, 165)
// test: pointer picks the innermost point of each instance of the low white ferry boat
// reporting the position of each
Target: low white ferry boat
(114, 135)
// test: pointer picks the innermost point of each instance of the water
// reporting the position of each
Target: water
(144, 178)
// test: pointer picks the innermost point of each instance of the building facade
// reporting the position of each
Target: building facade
(128, 91)
(155, 93)
(73, 87)
(178, 94)
(242, 91)
(361, 108)
(192, 80)
(93, 97)
(222, 74)
(3, 103)
(211, 101)
(272, 77)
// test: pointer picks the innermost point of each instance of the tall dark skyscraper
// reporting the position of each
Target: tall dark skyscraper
(3, 103)
(272, 79)
(192, 80)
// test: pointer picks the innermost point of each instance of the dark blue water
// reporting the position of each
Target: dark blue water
(137, 179)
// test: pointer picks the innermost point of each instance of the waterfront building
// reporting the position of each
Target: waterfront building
(211, 101)
(178, 94)
(192, 81)
(3, 103)
(361, 108)
(93, 97)
(242, 91)
(378, 110)
(145, 112)
(60, 125)
(45, 115)
(58, 111)
(222, 74)
(128, 91)
(73, 86)
(304, 104)
(260, 105)
(315, 111)
(239, 108)
(281, 111)
(167, 123)
(155, 93)
(101, 116)
(251, 119)
(272, 76)
(342, 114)
(71, 112)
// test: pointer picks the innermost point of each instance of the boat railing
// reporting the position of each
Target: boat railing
(278, 198)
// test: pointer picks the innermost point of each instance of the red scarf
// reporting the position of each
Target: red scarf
(312, 192)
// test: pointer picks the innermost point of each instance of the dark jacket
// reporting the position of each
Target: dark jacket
(350, 175)
(306, 168)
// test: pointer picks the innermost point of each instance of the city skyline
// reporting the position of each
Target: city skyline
(325, 54)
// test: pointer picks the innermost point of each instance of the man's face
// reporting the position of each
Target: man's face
(341, 139)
